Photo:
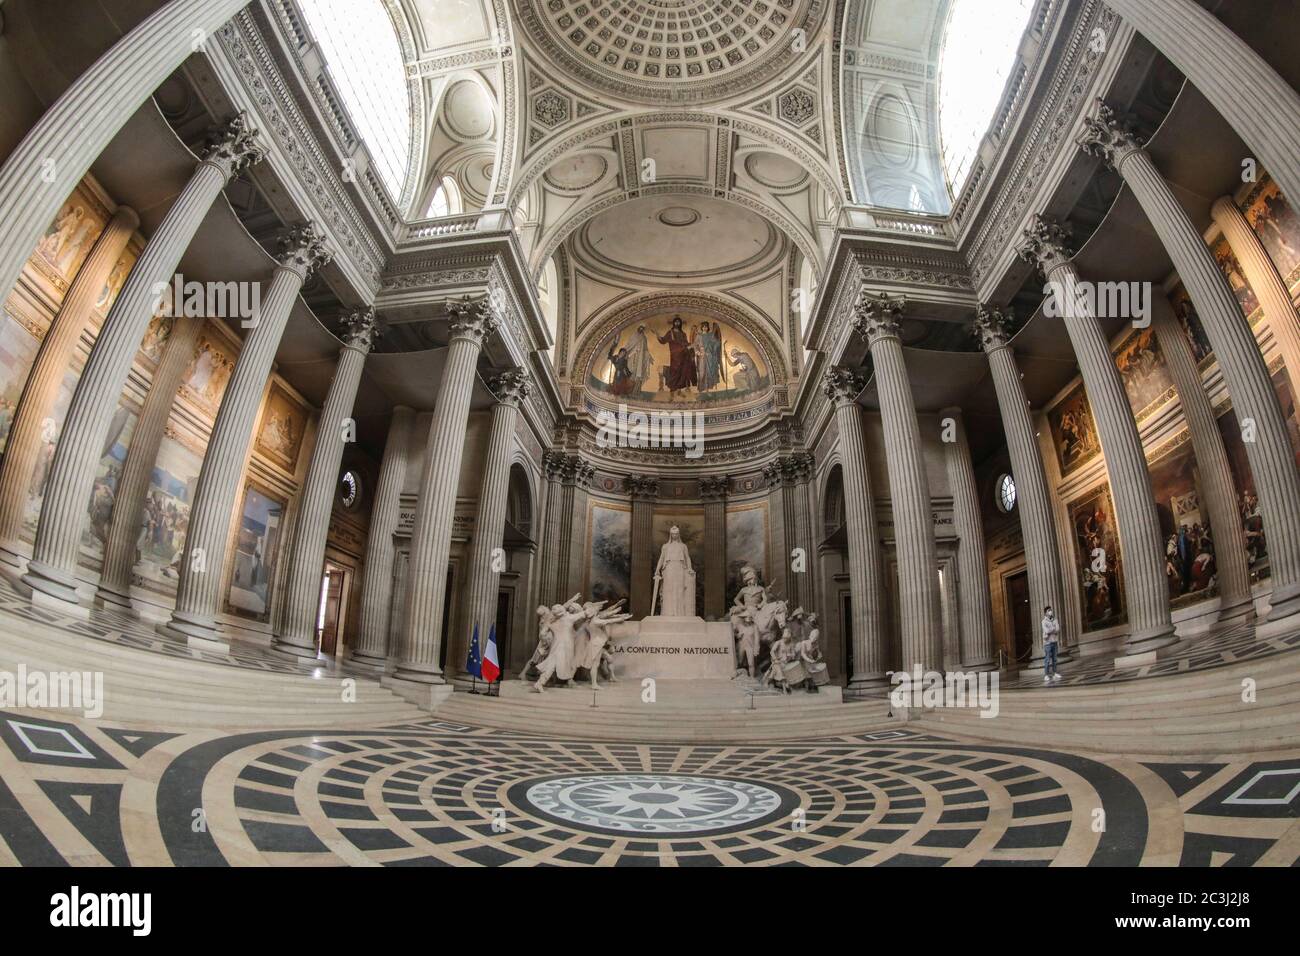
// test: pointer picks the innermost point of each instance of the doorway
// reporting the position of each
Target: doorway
(1022, 619)
(331, 613)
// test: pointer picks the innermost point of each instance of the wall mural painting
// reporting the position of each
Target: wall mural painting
(284, 421)
(1189, 544)
(257, 546)
(68, 239)
(116, 279)
(1236, 278)
(209, 372)
(53, 427)
(691, 526)
(167, 513)
(1097, 557)
(1278, 228)
(17, 354)
(156, 335)
(679, 358)
(609, 574)
(1073, 431)
(1144, 372)
(1190, 320)
(746, 544)
(107, 473)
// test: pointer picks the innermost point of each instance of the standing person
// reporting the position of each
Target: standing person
(1051, 641)
(680, 371)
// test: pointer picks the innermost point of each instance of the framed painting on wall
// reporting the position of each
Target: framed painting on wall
(257, 548)
(284, 420)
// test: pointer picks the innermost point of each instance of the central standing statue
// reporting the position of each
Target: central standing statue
(675, 578)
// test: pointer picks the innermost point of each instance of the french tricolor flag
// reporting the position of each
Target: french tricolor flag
(491, 666)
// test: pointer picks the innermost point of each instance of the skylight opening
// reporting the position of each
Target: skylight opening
(979, 51)
(365, 62)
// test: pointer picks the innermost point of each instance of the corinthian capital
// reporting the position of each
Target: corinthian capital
(304, 250)
(714, 487)
(234, 147)
(877, 314)
(1045, 243)
(1108, 136)
(361, 330)
(471, 319)
(843, 385)
(641, 486)
(992, 327)
(510, 387)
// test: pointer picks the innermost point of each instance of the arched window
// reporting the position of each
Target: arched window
(979, 50)
(1005, 491)
(365, 63)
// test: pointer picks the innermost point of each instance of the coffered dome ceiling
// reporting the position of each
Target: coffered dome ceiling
(665, 51)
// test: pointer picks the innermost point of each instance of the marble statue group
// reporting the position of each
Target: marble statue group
(571, 637)
(782, 645)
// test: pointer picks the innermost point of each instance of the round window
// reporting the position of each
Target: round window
(1006, 492)
(349, 489)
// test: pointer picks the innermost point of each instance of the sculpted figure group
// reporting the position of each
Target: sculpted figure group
(784, 647)
(572, 637)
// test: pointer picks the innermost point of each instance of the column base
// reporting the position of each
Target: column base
(113, 599)
(1284, 603)
(284, 646)
(373, 663)
(1243, 612)
(422, 694)
(12, 557)
(419, 673)
(198, 632)
(1146, 641)
(867, 687)
(51, 587)
(978, 666)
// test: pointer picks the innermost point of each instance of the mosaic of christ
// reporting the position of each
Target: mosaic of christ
(679, 359)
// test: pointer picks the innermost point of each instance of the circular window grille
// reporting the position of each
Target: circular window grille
(349, 489)
(1006, 491)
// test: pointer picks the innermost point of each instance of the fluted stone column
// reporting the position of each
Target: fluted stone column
(866, 581)
(972, 564)
(798, 473)
(554, 538)
(774, 477)
(1261, 106)
(435, 514)
(27, 432)
(578, 496)
(198, 590)
(297, 636)
(643, 490)
(1254, 400)
(510, 388)
(1260, 271)
(52, 570)
(1141, 538)
(47, 165)
(1033, 499)
(1219, 496)
(133, 484)
(713, 492)
(372, 645)
(876, 318)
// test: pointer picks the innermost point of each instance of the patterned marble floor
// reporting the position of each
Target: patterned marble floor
(436, 793)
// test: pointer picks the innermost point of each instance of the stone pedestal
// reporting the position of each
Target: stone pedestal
(673, 648)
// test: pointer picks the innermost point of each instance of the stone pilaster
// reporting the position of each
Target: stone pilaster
(32, 422)
(1279, 310)
(876, 318)
(1219, 493)
(713, 492)
(774, 478)
(510, 388)
(643, 490)
(797, 469)
(553, 568)
(1033, 499)
(198, 590)
(435, 513)
(297, 636)
(1262, 106)
(52, 158)
(972, 564)
(372, 645)
(866, 581)
(578, 497)
(52, 571)
(1140, 535)
(1254, 400)
(133, 484)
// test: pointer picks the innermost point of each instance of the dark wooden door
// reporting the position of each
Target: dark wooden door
(329, 634)
(1022, 615)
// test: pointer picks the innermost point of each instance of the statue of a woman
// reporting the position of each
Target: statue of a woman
(675, 577)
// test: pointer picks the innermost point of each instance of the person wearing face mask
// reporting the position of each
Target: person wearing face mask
(1051, 641)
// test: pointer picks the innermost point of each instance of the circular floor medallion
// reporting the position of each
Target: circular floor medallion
(655, 804)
